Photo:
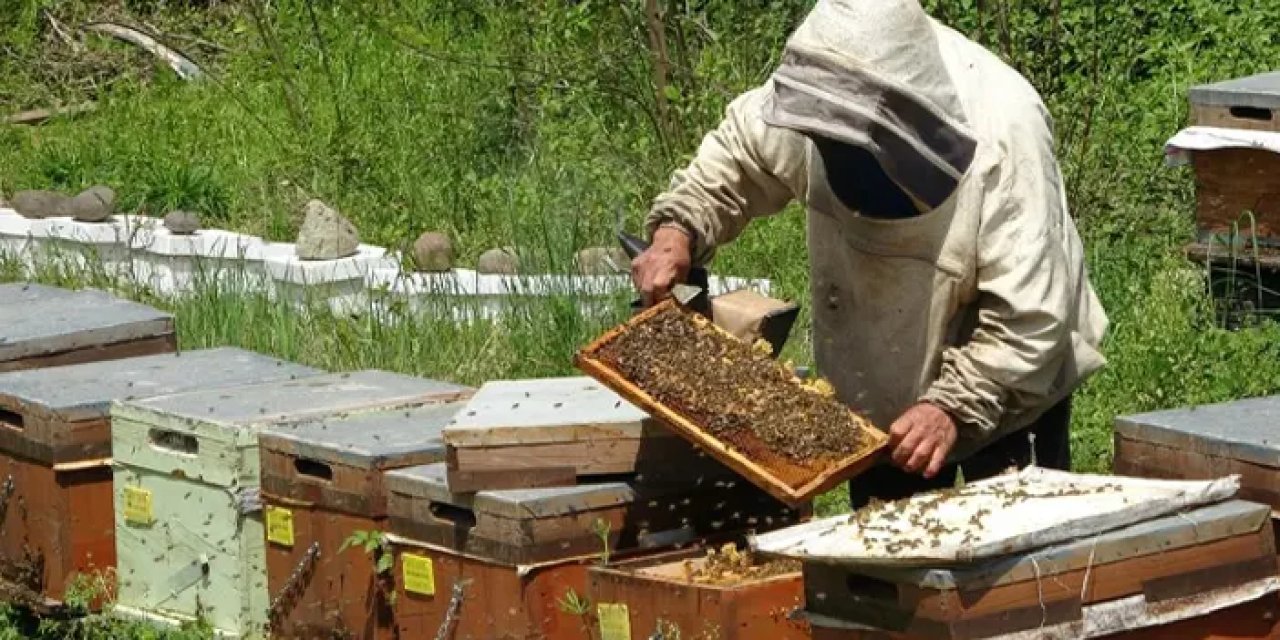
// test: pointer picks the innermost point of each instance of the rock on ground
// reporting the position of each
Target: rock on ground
(502, 261)
(40, 204)
(326, 234)
(433, 252)
(182, 222)
(601, 261)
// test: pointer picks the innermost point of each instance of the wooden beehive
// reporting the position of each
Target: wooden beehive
(655, 595)
(1230, 182)
(517, 434)
(45, 326)
(1161, 564)
(322, 483)
(785, 480)
(55, 456)
(1201, 443)
(519, 554)
(189, 525)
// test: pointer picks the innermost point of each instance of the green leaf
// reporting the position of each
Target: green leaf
(384, 563)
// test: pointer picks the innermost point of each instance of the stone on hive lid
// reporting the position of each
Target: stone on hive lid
(326, 234)
(603, 261)
(94, 204)
(182, 222)
(36, 204)
(433, 252)
(502, 261)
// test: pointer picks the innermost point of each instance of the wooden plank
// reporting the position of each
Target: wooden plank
(545, 411)
(762, 477)
(667, 458)
(524, 477)
(96, 353)
(1151, 460)
(1243, 429)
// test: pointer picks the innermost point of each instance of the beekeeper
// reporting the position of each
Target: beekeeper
(950, 299)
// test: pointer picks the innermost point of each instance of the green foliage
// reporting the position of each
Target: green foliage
(376, 545)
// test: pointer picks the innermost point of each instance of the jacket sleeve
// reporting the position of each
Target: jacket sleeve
(744, 169)
(1025, 287)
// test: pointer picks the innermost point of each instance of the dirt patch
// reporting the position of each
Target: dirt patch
(736, 393)
(728, 566)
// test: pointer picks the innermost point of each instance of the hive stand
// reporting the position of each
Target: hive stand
(322, 482)
(517, 434)
(518, 554)
(189, 523)
(55, 456)
(1165, 565)
(45, 326)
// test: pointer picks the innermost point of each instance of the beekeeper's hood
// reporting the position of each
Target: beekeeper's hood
(869, 73)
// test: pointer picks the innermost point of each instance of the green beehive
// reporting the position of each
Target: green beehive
(189, 531)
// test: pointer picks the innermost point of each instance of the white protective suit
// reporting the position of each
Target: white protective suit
(981, 304)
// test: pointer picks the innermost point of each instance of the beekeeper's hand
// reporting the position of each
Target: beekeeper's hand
(922, 438)
(663, 265)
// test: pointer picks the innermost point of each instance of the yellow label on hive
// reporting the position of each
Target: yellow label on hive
(137, 506)
(419, 574)
(615, 621)
(280, 526)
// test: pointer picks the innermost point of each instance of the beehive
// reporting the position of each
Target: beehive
(55, 455)
(45, 326)
(649, 596)
(1170, 564)
(520, 556)
(517, 434)
(189, 524)
(1201, 443)
(322, 483)
(1230, 182)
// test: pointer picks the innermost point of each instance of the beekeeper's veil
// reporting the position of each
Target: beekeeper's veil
(869, 73)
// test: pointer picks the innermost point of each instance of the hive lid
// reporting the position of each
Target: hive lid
(1240, 430)
(85, 391)
(37, 320)
(1261, 91)
(251, 406)
(429, 482)
(1161, 535)
(505, 412)
(373, 440)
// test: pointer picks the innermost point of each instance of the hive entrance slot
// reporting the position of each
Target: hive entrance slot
(1252, 113)
(11, 419)
(174, 442)
(458, 516)
(313, 468)
(871, 588)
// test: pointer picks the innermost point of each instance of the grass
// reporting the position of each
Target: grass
(507, 124)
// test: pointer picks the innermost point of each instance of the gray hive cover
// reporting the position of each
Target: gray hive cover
(1260, 91)
(256, 405)
(1247, 430)
(372, 440)
(50, 401)
(36, 320)
(430, 482)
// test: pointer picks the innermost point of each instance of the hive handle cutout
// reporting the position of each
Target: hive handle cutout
(455, 515)
(313, 469)
(174, 442)
(1252, 113)
(11, 419)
